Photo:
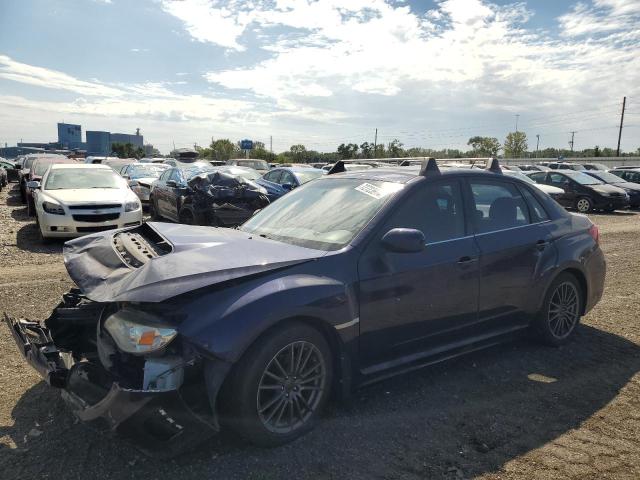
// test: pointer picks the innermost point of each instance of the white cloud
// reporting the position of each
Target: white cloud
(327, 68)
(43, 77)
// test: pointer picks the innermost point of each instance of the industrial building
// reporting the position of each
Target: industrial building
(97, 143)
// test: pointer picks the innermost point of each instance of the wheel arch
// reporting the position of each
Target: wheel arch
(342, 362)
(582, 281)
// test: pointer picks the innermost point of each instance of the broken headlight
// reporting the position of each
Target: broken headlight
(138, 332)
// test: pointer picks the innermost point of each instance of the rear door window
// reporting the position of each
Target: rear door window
(498, 205)
(536, 210)
(558, 179)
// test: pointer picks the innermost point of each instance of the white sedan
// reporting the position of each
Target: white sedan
(76, 199)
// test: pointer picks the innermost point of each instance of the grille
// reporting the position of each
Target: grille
(99, 217)
(101, 228)
(95, 207)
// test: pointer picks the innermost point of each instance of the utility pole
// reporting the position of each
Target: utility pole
(537, 143)
(571, 142)
(271, 143)
(375, 145)
(517, 117)
(624, 103)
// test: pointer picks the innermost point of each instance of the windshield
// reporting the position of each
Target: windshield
(68, 178)
(608, 177)
(28, 162)
(256, 164)
(150, 170)
(190, 172)
(584, 179)
(325, 215)
(304, 177)
(42, 165)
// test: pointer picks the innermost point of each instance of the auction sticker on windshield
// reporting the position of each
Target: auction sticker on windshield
(371, 190)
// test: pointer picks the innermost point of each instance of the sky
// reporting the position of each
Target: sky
(320, 73)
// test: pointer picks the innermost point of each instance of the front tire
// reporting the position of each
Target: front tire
(43, 239)
(584, 205)
(561, 311)
(277, 391)
(153, 210)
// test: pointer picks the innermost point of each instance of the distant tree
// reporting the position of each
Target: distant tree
(347, 151)
(298, 152)
(515, 144)
(223, 149)
(367, 150)
(394, 149)
(126, 150)
(596, 151)
(484, 146)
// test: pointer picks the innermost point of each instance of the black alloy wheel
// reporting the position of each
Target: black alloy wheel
(291, 387)
(561, 311)
(564, 310)
(276, 392)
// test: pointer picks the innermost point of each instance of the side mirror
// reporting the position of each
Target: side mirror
(172, 183)
(287, 186)
(404, 240)
(33, 185)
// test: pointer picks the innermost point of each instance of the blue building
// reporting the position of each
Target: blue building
(98, 143)
(69, 135)
(135, 140)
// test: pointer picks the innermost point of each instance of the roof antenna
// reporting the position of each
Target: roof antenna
(493, 165)
(429, 167)
(338, 167)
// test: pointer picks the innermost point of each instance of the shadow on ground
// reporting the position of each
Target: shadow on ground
(461, 418)
(28, 238)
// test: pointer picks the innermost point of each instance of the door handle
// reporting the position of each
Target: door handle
(466, 260)
(541, 244)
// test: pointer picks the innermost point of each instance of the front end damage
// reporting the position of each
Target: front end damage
(225, 200)
(160, 397)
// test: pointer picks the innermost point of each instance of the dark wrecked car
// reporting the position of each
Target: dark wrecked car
(174, 329)
(202, 195)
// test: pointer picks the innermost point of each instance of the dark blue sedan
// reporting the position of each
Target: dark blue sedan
(346, 280)
(282, 180)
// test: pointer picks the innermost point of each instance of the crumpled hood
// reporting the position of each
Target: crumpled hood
(201, 256)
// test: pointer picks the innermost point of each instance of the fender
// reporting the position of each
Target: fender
(226, 325)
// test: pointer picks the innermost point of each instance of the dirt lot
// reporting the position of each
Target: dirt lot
(518, 411)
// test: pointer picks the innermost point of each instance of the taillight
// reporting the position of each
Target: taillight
(595, 233)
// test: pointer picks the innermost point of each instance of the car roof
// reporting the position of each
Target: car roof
(407, 174)
(84, 166)
(297, 169)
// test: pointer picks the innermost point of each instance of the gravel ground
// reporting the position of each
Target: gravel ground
(517, 411)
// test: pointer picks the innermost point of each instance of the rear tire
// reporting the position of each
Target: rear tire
(277, 391)
(584, 205)
(187, 216)
(561, 310)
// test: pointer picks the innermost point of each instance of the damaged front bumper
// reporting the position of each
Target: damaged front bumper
(166, 421)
